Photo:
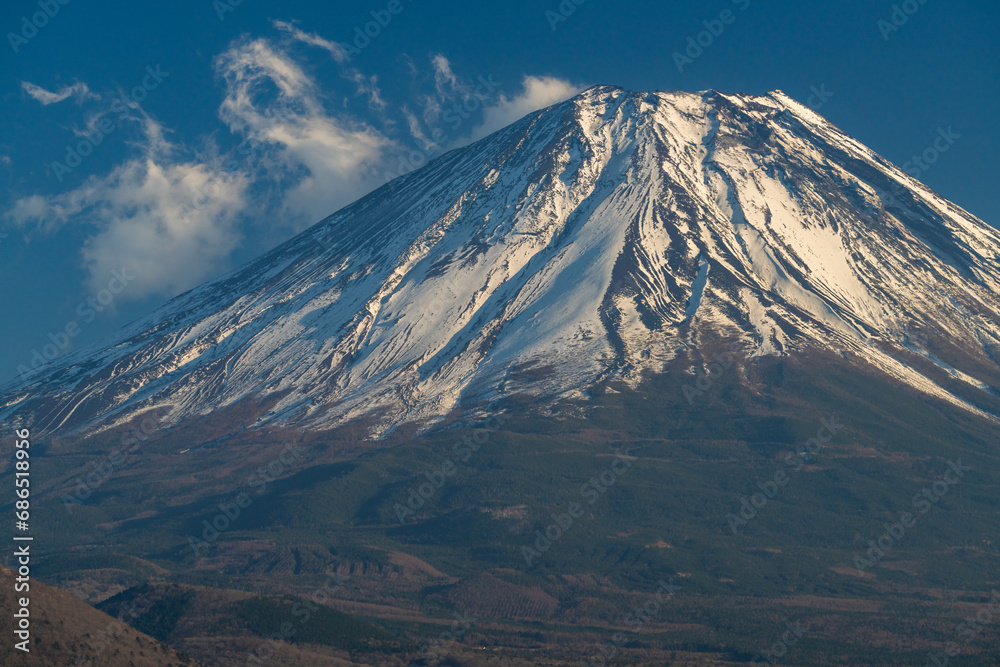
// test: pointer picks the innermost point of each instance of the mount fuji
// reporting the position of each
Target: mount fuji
(593, 240)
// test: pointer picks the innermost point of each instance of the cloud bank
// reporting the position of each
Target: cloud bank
(171, 221)
(177, 214)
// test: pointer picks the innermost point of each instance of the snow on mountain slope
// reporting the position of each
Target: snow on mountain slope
(588, 240)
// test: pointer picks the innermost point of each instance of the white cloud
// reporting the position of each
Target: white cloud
(330, 161)
(177, 218)
(445, 82)
(413, 123)
(366, 85)
(538, 92)
(325, 160)
(172, 222)
(432, 108)
(335, 49)
(78, 89)
(447, 88)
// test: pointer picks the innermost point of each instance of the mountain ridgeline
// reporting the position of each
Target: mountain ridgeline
(589, 241)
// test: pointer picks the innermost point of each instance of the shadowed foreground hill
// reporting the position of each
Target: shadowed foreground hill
(68, 631)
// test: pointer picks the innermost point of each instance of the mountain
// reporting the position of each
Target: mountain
(591, 241)
(68, 631)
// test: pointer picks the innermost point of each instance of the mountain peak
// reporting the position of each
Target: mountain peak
(586, 242)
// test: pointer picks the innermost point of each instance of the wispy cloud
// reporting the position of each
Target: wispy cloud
(335, 49)
(328, 160)
(45, 97)
(417, 132)
(445, 82)
(171, 219)
(537, 93)
(179, 214)
(366, 85)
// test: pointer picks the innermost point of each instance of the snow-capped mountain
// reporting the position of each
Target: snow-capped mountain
(587, 241)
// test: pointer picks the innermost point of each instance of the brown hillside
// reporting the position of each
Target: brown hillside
(68, 631)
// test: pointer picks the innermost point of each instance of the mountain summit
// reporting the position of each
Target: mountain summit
(588, 241)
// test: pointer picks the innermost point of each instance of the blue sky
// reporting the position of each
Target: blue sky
(145, 148)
